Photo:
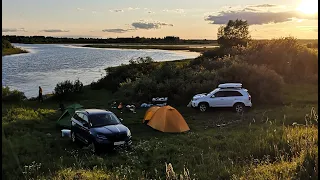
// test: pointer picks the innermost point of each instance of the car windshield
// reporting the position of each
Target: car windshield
(214, 91)
(105, 119)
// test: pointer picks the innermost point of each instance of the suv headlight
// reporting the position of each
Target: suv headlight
(128, 133)
(100, 136)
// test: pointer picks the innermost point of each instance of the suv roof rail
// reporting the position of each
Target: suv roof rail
(230, 85)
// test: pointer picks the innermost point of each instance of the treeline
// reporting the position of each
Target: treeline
(138, 40)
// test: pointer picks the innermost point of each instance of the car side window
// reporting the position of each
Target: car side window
(85, 118)
(77, 117)
(219, 94)
(232, 93)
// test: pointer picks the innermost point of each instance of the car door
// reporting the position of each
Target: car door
(76, 125)
(231, 97)
(84, 128)
(216, 100)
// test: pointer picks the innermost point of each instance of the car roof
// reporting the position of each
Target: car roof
(93, 111)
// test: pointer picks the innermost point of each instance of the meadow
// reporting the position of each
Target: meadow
(276, 139)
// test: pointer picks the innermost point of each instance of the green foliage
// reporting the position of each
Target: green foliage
(12, 96)
(234, 33)
(116, 75)
(8, 48)
(67, 87)
(180, 84)
(293, 61)
(6, 44)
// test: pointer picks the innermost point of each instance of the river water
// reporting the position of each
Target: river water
(48, 64)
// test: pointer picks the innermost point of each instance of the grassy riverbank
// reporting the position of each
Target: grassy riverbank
(192, 48)
(9, 49)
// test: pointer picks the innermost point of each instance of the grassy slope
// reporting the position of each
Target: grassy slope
(207, 151)
(10, 51)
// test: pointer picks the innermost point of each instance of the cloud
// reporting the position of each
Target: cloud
(130, 8)
(149, 25)
(258, 17)
(179, 11)
(264, 5)
(116, 10)
(116, 30)
(54, 30)
(150, 12)
(80, 9)
(13, 30)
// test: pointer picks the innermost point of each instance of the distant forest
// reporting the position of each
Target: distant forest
(137, 40)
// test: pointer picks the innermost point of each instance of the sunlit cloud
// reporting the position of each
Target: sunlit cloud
(116, 10)
(54, 30)
(260, 14)
(13, 30)
(149, 25)
(80, 9)
(116, 30)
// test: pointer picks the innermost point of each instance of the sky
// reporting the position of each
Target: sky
(187, 19)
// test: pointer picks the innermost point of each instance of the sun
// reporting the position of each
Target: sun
(308, 6)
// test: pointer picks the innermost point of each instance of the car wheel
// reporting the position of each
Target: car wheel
(239, 108)
(203, 107)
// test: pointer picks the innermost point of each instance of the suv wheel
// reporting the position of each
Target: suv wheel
(239, 108)
(203, 107)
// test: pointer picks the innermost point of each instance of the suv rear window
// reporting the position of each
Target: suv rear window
(228, 94)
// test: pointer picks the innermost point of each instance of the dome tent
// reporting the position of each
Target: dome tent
(168, 119)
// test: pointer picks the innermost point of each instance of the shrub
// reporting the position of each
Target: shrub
(286, 56)
(180, 85)
(265, 85)
(116, 75)
(67, 87)
(14, 95)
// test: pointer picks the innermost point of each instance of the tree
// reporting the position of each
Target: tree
(234, 33)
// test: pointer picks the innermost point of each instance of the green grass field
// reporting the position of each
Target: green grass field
(260, 144)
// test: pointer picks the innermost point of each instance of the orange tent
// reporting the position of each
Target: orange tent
(150, 113)
(168, 119)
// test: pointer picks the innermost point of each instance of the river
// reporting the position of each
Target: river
(48, 64)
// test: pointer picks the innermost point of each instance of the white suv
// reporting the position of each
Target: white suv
(226, 95)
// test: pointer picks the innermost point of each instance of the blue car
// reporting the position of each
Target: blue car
(99, 129)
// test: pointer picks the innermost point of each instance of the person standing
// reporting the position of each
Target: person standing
(40, 94)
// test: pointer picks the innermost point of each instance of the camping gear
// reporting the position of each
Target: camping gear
(65, 119)
(66, 132)
(150, 113)
(162, 101)
(168, 119)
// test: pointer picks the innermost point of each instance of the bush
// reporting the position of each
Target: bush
(180, 85)
(116, 75)
(290, 59)
(14, 96)
(67, 87)
(264, 85)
